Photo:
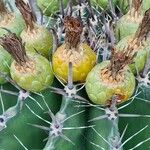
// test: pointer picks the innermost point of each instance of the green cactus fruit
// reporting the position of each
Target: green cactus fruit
(141, 56)
(30, 71)
(34, 80)
(49, 7)
(40, 39)
(36, 37)
(11, 21)
(5, 60)
(100, 85)
(102, 3)
(141, 45)
(128, 24)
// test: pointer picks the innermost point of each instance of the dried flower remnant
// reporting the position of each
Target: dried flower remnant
(27, 13)
(14, 46)
(73, 30)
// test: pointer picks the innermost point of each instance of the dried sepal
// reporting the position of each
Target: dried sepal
(3, 9)
(14, 46)
(136, 4)
(119, 59)
(73, 30)
(27, 13)
(135, 9)
(144, 28)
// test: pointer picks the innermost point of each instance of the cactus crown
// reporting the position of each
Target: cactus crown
(27, 13)
(14, 46)
(73, 30)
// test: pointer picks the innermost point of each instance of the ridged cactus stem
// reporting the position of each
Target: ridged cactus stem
(112, 117)
(11, 112)
(58, 125)
(63, 118)
(114, 137)
(110, 137)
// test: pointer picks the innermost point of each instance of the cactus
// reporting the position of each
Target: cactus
(63, 115)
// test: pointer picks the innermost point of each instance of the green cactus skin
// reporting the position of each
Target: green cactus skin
(104, 127)
(140, 58)
(76, 136)
(36, 80)
(49, 6)
(31, 137)
(15, 24)
(135, 124)
(100, 93)
(77, 121)
(102, 3)
(39, 39)
(5, 60)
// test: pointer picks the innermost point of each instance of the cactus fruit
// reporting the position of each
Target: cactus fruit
(128, 23)
(30, 71)
(80, 54)
(10, 20)
(144, 49)
(103, 82)
(141, 56)
(36, 37)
